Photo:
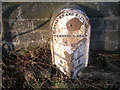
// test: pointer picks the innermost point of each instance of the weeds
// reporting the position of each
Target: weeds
(34, 70)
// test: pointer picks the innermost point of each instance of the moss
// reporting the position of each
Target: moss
(30, 48)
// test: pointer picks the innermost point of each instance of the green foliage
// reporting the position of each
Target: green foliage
(60, 84)
(30, 48)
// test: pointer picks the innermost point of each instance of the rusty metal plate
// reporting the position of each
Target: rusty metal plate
(70, 31)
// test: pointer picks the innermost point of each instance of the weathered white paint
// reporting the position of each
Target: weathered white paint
(70, 48)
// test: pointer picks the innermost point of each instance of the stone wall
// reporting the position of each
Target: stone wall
(27, 24)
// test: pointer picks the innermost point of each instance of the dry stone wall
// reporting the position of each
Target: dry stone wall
(27, 24)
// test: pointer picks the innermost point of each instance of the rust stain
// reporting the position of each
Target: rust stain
(74, 24)
(67, 56)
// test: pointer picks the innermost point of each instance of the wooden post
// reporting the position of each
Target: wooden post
(70, 38)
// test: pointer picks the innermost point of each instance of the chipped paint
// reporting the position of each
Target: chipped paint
(70, 31)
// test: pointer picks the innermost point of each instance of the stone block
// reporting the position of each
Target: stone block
(10, 10)
(104, 45)
(112, 36)
(98, 35)
(26, 24)
(8, 36)
(100, 9)
(111, 25)
(42, 25)
(111, 46)
(35, 38)
(119, 39)
(100, 24)
(18, 25)
(97, 24)
(39, 9)
(119, 24)
(115, 8)
(97, 45)
(119, 45)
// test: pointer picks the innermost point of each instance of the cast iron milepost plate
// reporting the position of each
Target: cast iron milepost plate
(70, 30)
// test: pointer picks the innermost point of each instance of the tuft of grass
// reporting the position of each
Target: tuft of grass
(30, 48)
(60, 84)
